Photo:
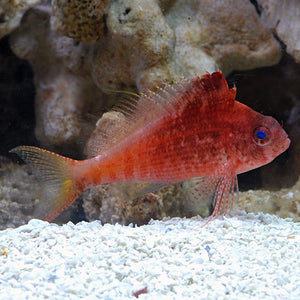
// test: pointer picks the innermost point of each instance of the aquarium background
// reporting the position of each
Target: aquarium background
(61, 62)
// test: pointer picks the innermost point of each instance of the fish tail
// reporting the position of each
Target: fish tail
(60, 187)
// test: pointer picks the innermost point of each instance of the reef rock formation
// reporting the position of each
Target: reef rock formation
(11, 13)
(17, 194)
(228, 33)
(284, 203)
(138, 47)
(80, 20)
(81, 50)
(63, 89)
(132, 44)
(283, 18)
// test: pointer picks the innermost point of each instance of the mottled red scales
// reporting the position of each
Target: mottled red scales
(193, 129)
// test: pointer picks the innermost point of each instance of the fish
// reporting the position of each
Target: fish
(191, 131)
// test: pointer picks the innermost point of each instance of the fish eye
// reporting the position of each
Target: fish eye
(262, 135)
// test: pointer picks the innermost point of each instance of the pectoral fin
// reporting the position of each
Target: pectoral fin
(219, 191)
(199, 194)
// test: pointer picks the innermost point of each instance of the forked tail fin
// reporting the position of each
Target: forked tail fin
(56, 173)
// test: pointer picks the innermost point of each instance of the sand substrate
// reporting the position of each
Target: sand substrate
(244, 257)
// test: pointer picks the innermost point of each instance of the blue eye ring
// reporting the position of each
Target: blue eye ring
(262, 136)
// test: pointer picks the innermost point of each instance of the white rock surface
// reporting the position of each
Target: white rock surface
(244, 257)
(283, 18)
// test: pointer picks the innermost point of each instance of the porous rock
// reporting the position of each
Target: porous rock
(80, 20)
(17, 195)
(283, 17)
(63, 89)
(11, 13)
(227, 33)
(145, 43)
(137, 48)
(110, 204)
(142, 44)
(284, 203)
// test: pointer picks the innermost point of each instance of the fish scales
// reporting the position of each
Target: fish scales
(157, 158)
(163, 153)
(193, 130)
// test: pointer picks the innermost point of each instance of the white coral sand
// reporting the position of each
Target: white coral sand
(244, 257)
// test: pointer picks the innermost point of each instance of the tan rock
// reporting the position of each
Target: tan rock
(144, 44)
(11, 13)
(228, 32)
(284, 203)
(142, 48)
(80, 20)
(64, 89)
(283, 17)
(138, 40)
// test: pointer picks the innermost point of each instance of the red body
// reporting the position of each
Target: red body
(192, 130)
(198, 138)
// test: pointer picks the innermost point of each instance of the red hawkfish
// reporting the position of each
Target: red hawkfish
(192, 129)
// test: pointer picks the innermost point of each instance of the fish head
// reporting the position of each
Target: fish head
(263, 140)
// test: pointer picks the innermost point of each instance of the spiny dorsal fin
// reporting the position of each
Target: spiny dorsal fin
(134, 113)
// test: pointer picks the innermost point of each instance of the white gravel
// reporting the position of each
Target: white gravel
(244, 257)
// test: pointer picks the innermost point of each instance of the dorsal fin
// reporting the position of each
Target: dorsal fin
(134, 113)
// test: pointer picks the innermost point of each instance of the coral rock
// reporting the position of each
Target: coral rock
(110, 204)
(105, 126)
(17, 195)
(284, 203)
(143, 47)
(63, 89)
(138, 41)
(80, 20)
(228, 32)
(132, 45)
(11, 13)
(283, 17)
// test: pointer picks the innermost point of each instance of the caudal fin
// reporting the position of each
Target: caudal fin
(55, 172)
